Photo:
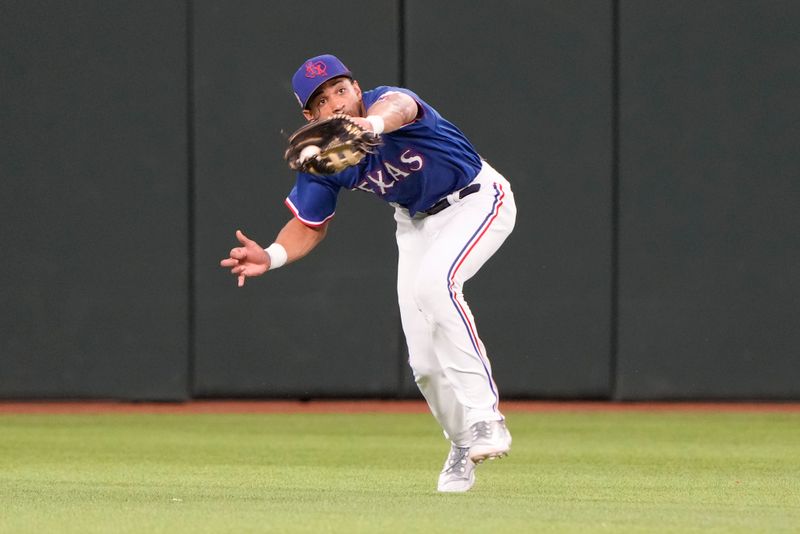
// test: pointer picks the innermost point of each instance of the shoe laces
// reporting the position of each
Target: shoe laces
(457, 460)
(482, 429)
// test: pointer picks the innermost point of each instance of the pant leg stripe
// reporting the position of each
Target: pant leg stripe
(462, 256)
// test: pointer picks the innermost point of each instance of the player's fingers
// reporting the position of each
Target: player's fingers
(241, 280)
(364, 123)
(238, 253)
(243, 239)
(229, 262)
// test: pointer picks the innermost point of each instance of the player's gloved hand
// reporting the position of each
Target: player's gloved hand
(247, 260)
(331, 145)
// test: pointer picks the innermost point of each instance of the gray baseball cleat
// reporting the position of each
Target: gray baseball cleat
(490, 440)
(458, 474)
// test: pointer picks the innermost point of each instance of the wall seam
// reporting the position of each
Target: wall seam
(190, 179)
(615, 186)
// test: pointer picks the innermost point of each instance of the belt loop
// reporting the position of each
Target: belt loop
(453, 197)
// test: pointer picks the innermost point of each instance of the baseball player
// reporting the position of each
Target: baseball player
(453, 211)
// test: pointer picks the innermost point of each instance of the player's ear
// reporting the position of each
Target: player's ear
(357, 89)
(307, 114)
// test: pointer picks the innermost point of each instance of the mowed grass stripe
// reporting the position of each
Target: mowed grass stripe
(568, 472)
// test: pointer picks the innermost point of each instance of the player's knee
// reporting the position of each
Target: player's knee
(431, 293)
(423, 361)
(423, 371)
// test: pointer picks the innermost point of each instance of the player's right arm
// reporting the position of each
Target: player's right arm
(250, 259)
(299, 239)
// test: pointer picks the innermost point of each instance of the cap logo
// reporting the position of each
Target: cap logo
(316, 69)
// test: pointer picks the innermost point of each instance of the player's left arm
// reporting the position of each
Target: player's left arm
(395, 108)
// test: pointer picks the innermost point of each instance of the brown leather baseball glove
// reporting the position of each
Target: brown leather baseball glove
(329, 146)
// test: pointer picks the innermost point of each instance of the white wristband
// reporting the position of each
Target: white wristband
(377, 123)
(277, 255)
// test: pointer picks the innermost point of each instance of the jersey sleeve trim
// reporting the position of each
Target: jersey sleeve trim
(296, 213)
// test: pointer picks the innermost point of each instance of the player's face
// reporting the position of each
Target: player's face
(340, 95)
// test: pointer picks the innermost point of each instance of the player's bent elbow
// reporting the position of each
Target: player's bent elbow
(322, 230)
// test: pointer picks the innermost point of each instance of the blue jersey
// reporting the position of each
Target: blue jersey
(416, 166)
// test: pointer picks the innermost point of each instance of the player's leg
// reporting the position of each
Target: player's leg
(458, 472)
(467, 235)
(418, 329)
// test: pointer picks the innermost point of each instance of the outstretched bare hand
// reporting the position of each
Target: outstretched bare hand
(248, 260)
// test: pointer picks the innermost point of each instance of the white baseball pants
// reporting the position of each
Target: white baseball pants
(437, 255)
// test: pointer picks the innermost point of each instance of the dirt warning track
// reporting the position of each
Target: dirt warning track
(372, 406)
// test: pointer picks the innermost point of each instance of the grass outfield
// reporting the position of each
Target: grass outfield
(568, 472)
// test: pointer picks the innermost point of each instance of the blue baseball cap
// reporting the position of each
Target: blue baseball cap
(313, 73)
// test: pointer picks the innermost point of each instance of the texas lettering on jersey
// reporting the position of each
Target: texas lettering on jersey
(383, 179)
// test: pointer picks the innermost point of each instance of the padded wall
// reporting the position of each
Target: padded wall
(530, 84)
(93, 202)
(137, 137)
(327, 325)
(709, 200)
